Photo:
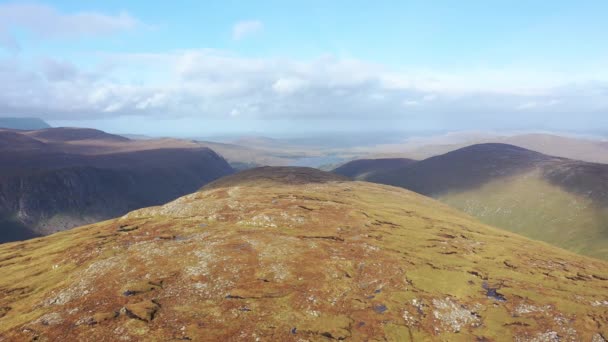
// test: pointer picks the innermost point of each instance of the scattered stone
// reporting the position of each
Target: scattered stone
(549, 336)
(52, 318)
(419, 305)
(85, 320)
(598, 338)
(452, 316)
(409, 319)
(523, 309)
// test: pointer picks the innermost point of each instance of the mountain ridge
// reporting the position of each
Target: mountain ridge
(291, 254)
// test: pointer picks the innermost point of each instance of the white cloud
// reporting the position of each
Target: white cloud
(46, 22)
(246, 28)
(216, 84)
(538, 104)
(286, 86)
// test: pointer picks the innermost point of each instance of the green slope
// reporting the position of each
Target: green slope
(557, 200)
(527, 204)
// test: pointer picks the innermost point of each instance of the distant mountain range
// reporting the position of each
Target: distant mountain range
(296, 254)
(558, 200)
(586, 149)
(23, 123)
(58, 178)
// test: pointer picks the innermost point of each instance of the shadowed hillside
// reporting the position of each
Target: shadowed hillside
(45, 187)
(557, 200)
(64, 134)
(293, 254)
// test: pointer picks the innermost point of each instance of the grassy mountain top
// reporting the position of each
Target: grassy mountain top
(295, 254)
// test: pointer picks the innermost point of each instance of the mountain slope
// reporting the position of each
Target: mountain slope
(65, 134)
(291, 254)
(62, 183)
(361, 169)
(11, 141)
(561, 201)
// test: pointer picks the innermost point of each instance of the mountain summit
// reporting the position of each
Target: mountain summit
(294, 254)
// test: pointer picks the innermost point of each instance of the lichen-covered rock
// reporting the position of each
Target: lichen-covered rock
(453, 316)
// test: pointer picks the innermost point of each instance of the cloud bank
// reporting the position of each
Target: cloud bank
(216, 84)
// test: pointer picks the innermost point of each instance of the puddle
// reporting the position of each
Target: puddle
(492, 292)
(380, 308)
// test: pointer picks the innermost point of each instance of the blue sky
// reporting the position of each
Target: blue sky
(204, 68)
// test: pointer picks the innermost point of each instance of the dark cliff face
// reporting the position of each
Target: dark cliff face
(76, 190)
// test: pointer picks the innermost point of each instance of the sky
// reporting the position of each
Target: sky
(200, 68)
